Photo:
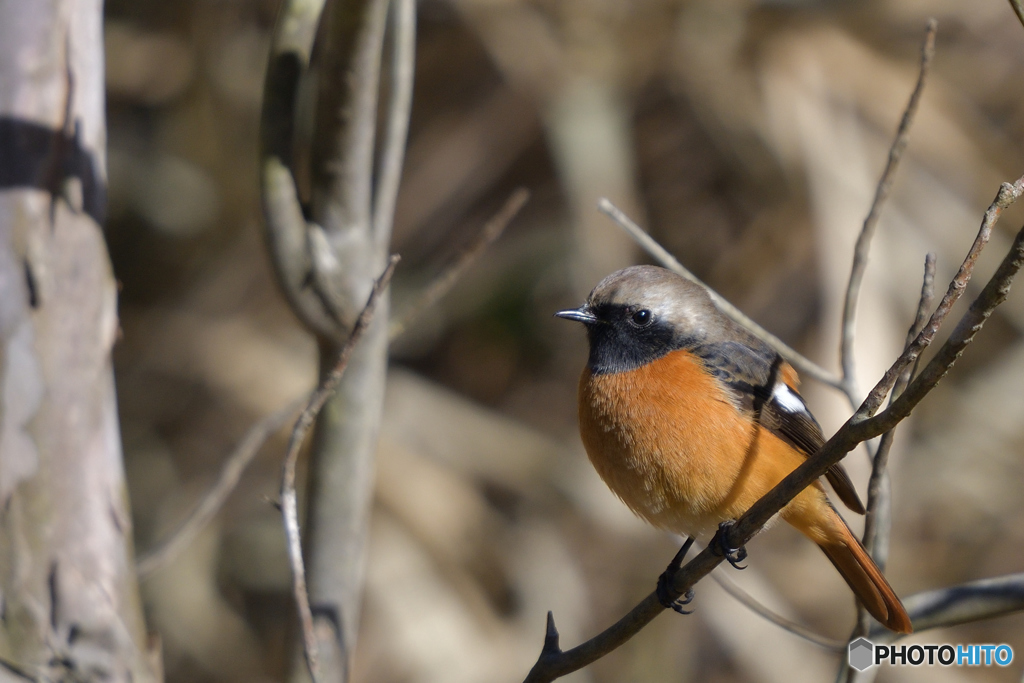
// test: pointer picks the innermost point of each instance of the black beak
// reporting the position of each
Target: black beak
(580, 315)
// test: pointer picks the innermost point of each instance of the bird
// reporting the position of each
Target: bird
(689, 419)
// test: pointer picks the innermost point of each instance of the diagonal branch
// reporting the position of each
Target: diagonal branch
(289, 502)
(963, 604)
(243, 454)
(1018, 9)
(800, 631)
(440, 286)
(1006, 196)
(878, 519)
(863, 425)
(285, 227)
(247, 449)
(214, 498)
(863, 246)
(875, 528)
(660, 254)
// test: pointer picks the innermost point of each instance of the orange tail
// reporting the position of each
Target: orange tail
(866, 580)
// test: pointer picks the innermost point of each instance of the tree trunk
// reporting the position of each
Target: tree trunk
(69, 608)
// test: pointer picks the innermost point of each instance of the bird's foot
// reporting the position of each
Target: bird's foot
(664, 591)
(665, 596)
(733, 555)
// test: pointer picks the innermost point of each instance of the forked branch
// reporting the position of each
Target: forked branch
(245, 452)
(289, 500)
(667, 260)
(863, 246)
(441, 285)
(863, 425)
(212, 501)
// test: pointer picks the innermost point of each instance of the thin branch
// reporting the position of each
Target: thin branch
(285, 227)
(662, 256)
(242, 456)
(18, 670)
(759, 608)
(798, 630)
(969, 602)
(214, 498)
(878, 520)
(403, 68)
(861, 251)
(357, 227)
(862, 425)
(289, 503)
(872, 525)
(1018, 8)
(553, 663)
(963, 604)
(346, 120)
(431, 294)
(1006, 196)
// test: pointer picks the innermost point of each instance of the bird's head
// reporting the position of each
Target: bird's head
(639, 314)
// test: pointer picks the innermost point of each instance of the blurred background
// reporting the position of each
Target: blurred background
(746, 136)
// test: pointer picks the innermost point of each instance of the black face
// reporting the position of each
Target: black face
(627, 337)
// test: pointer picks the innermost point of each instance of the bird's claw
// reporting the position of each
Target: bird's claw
(664, 593)
(733, 555)
(664, 590)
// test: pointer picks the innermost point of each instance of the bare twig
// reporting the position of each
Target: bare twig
(660, 254)
(1005, 197)
(863, 425)
(240, 458)
(861, 250)
(289, 502)
(968, 602)
(1018, 8)
(285, 224)
(346, 120)
(344, 142)
(214, 498)
(872, 525)
(243, 454)
(325, 265)
(877, 521)
(798, 630)
(403, 66)
(18, 670)
(440, 286)
(962, 604)
(553, 663)
(879, 505)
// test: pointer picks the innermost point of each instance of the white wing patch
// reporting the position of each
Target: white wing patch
(787, 399)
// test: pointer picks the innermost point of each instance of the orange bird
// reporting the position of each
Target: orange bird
(690, 419)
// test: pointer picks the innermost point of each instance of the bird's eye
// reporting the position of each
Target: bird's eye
(642, 318)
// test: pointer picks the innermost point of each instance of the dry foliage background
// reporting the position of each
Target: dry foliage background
(746, 136)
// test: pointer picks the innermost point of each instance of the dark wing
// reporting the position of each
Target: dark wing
(754, 374)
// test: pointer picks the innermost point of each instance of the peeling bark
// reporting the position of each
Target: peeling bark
(69, 601)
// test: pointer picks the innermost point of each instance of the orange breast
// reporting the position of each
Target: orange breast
(668, 442)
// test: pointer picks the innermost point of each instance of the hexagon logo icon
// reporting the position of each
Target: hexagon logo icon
(862, 654)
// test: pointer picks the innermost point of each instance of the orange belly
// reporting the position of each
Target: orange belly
(668, 442)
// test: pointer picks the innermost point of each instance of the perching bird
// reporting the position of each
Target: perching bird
(690, 419)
